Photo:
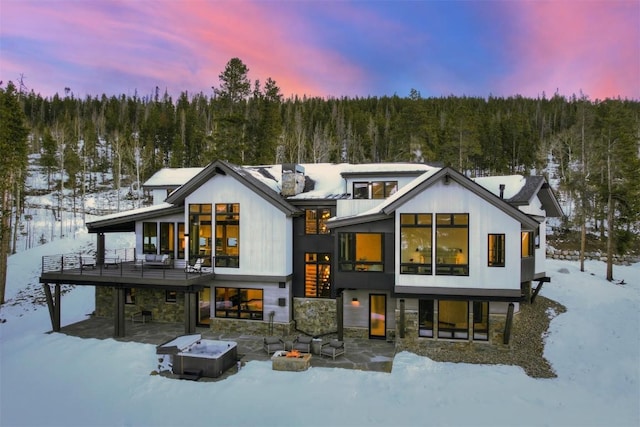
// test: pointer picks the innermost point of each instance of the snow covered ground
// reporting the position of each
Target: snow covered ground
(58, 380)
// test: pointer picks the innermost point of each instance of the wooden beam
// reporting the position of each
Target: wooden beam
(56, 308)
(50, 304)
(100, 249)
(118, 312)
(536, 290)
(508, 323)
(190, 304)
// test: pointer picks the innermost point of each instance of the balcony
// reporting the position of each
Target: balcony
(119, 269)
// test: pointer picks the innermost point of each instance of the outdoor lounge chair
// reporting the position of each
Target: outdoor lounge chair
(332, 349)
(302, 343)
(272, 344)
(196, 267)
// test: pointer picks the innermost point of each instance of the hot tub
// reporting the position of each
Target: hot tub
(192, 356)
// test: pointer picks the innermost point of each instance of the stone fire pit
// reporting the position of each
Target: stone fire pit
(290, 361)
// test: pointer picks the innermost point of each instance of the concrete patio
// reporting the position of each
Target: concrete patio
(360, 354)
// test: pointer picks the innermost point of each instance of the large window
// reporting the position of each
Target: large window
(167, 238)
(200, 233)
(374, 190)
(239, 303)
(361, 252)
(416, 232)
(527, 244)
(317, 275)
(496, 250)
(315, 221)
(453, 319)
(181, 244)
(425, 317)
(452, 244)
(149, 237)
(228, 235)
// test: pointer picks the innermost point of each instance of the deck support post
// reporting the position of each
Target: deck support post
(340, 316)
(403, 321)
(53, 303)
(100, 250)
(539, 287)
(190, 304)
(507, 325)
(118, 318)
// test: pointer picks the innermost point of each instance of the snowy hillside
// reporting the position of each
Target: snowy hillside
(54, 379)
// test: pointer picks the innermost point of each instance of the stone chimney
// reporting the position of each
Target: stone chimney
(292, 179)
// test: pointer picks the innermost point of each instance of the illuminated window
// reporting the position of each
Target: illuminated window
(167, 238)
(374, 190)
(149, 237)
(496, 250)
(452, 244)
(181, 241)
(416, 231)
(481, 320)
(317, 275)
(361, 252)
(315, 221)
(200, 233)
(527, 244)
(228, 235)
(453, 319)
(425, 317)
(171, 296)
(239, 303)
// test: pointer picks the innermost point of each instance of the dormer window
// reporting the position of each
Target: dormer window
(374, 189)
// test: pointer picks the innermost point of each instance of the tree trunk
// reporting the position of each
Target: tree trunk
(609, 220)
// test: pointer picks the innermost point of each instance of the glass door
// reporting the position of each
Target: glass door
(377, 316)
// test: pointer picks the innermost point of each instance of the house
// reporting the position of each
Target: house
(419, 253)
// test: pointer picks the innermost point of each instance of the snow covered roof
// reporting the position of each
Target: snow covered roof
(171, 177)
(125, 220)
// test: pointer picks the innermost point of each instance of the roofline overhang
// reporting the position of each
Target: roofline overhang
(126, 223)
(355, 220)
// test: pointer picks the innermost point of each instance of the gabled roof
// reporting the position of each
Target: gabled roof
(171, 177)
(422, 183)
(538, 186)
(125, 221)
(243, 175)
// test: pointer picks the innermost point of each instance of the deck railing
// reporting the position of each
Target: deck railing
(120, 262)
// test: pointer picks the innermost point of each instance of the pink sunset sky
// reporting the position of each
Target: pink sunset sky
(325, 48)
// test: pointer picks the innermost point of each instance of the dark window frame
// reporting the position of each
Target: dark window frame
(419, 266)
(496, 249)
(237, 306)
(169, 235)
(130, 296)
(348, 261)
(315, 221)
(530, 245)
(149, 233)
(447, 268)
(322, 286)
(170, 296)
(365, 189)
(226, 216)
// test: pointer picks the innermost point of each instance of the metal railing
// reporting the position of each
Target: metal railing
(120, 263)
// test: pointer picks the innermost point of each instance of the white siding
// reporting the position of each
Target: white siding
(265, 231)
(358, 316)
(177, 218)
(535, 208)
(484, 219)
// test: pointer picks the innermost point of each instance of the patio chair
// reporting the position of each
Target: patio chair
(302, 343)
(196, 267)
(272, 344)
(332, 349)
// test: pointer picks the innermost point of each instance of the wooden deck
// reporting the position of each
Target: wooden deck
(128, 273)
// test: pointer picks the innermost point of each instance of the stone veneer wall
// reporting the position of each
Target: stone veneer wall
(146, 299)
(315, 316)
(421, 345)
(249, 327)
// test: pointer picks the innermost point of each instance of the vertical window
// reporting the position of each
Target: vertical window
(361, 252)
(481, 320)
(149, 237)
(452, 244)
(228, 235)
(181, 241)
(239, 303)
(315, 221)
(171, 296)
(527, 244)
(200, 233)
(167, 238)
(360, 190)
(416, 231)
(129, 296)
(496, 250)
(317, 275)
(453, 319)
(425, 317)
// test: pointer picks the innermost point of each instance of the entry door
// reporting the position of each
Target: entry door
(204, 307)
(377, 316)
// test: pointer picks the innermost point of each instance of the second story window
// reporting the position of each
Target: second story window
(496, 250)
(527, 248)
(416, 231)
(200, 233)
(361, 252)
(167, 238)
(374, 190)
(452, 244)
(149, 237)
(227, 235)
(315, 221)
